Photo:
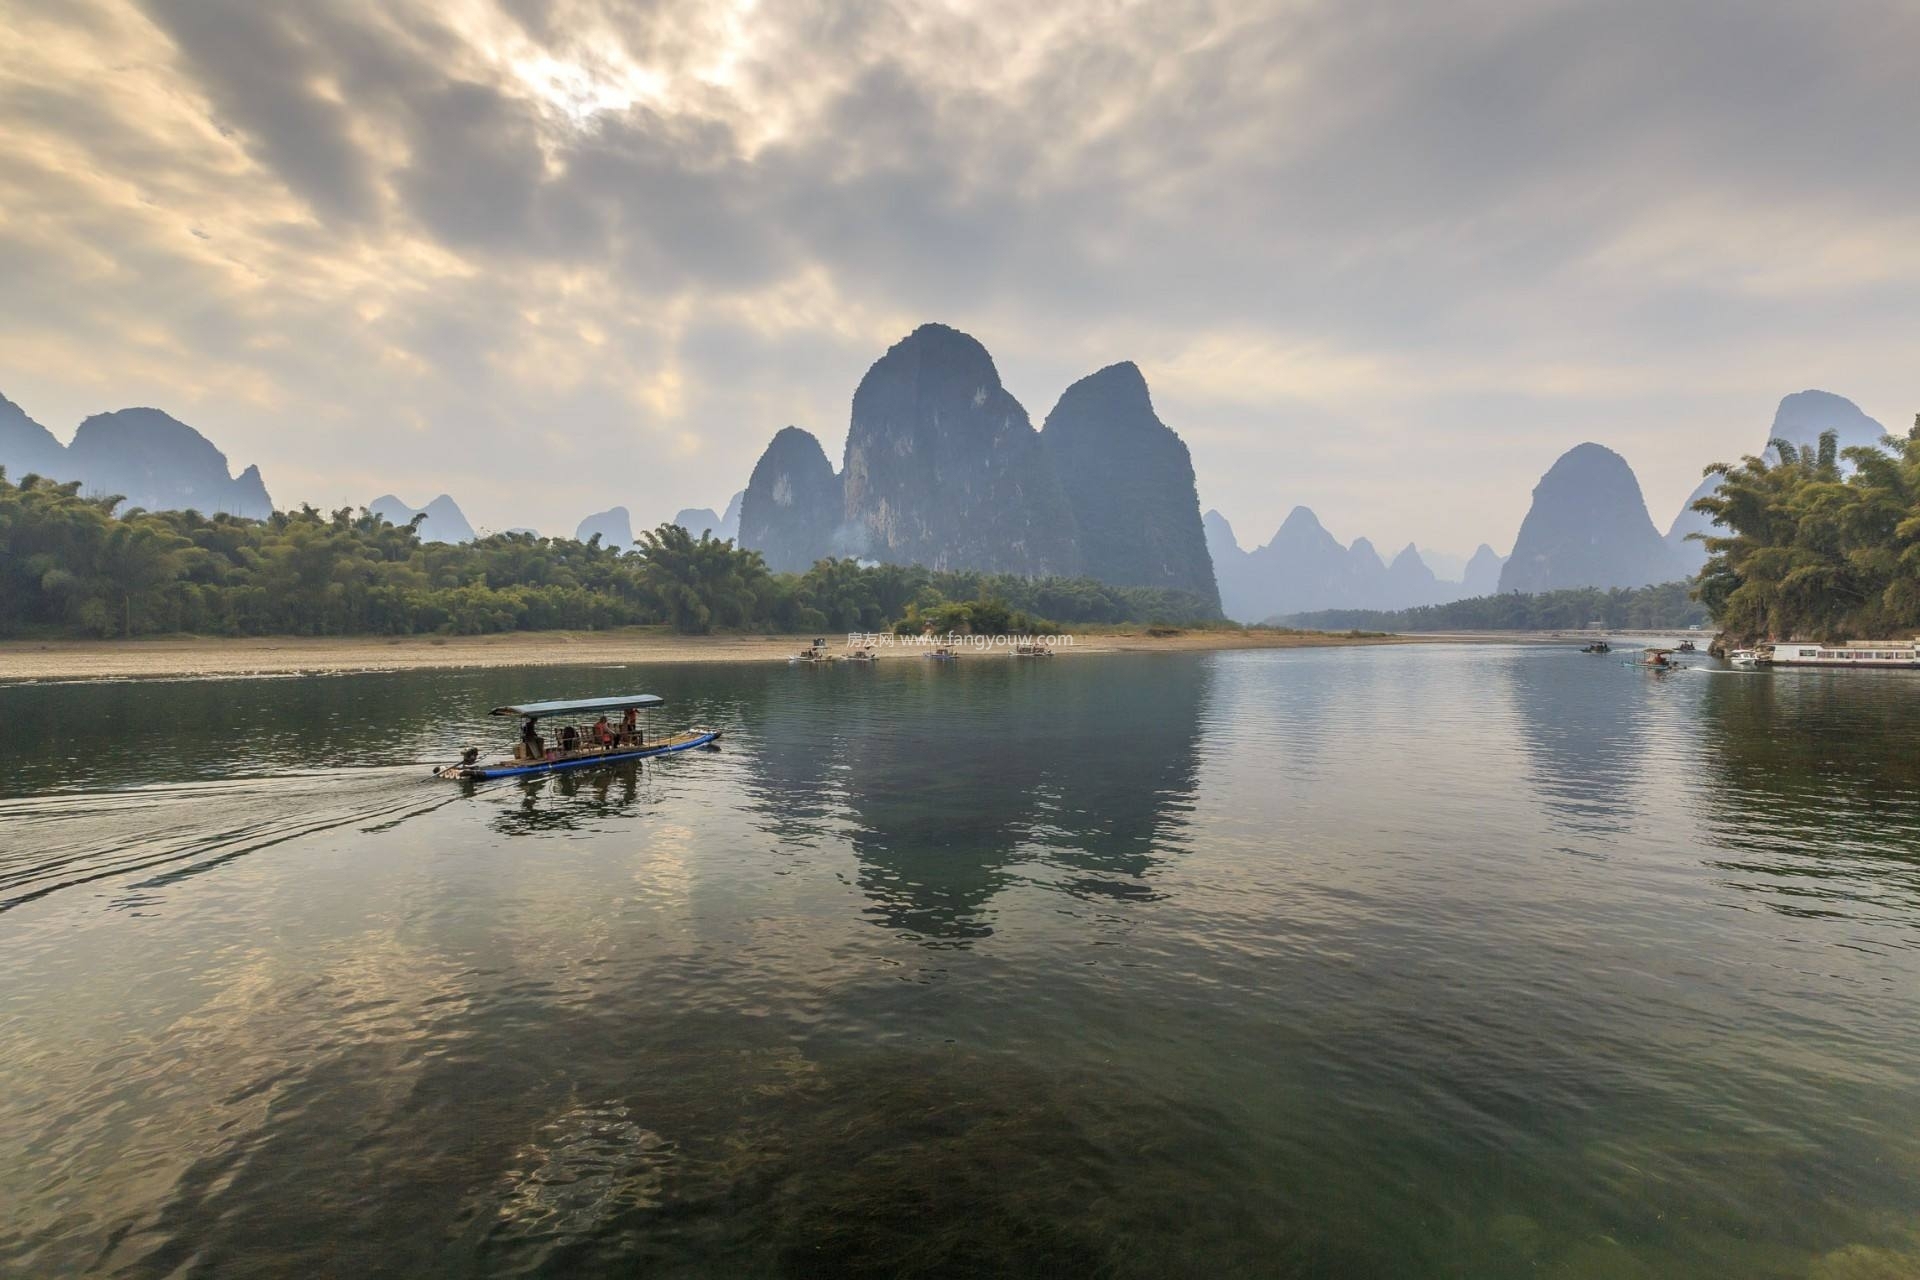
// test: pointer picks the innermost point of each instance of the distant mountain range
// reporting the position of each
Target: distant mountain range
(704, 520)
(614, 528)
(1305, 568)
(444, 522)
(150, 459)
(943, 468)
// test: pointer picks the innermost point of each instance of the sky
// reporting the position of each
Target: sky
(1386, 260)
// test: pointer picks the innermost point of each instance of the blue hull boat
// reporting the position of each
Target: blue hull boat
(593, 748)
(509, 769)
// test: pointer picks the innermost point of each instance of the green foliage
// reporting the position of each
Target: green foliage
(1803, 552)
(68, 565)
(1668, 606)
(986, 616)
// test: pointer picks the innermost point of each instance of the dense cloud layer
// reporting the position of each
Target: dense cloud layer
(1386, 259)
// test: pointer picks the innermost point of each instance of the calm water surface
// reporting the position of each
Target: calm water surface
(1475, 962)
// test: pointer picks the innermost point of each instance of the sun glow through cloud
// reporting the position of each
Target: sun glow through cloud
(1453, 243)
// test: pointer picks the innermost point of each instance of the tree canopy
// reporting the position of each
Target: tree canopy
(69, 565)
(1668, 605)
(1804, 548)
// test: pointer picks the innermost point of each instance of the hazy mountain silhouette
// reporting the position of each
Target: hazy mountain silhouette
(698, 521)
(614, 525)
(27, 448)
(445, 521)
(1799, 420)
(1409, 578)
(792, 504)
(1588, 527)
(729, 526)
(151, 459)
(1304, 568)
(1482, 575)
(1129, 482)
(1238, 594)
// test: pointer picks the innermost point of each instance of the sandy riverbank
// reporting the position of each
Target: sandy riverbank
(175, 657)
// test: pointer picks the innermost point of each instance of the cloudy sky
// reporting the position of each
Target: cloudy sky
(1384, 259)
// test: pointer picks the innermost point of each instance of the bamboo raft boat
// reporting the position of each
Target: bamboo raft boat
(601, 745)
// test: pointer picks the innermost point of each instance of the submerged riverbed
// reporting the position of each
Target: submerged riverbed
(1461, 961)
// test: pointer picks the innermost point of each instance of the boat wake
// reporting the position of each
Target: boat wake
(144, 838)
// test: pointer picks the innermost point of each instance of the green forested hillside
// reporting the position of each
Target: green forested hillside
(69, 566)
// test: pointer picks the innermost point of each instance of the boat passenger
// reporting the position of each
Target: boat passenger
(569, 740)
(603, 734)
(630, 726)
(530, 745)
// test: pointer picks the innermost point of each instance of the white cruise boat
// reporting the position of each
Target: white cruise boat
(1893, 654)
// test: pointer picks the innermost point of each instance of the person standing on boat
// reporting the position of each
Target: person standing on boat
(630, 726)
(603, 734)
(530, 739)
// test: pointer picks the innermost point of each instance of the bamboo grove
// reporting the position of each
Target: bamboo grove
(70, 566)
(1816, 542)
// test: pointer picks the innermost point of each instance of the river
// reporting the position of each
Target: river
(1469, 961)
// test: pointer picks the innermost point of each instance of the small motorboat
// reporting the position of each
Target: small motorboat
(813, 653)
(1032, 651)
(864, 653)
(1598, 646)
(1686, 646)
(573, 747)
(943, 655)
(1657, 660)
(1748, 658)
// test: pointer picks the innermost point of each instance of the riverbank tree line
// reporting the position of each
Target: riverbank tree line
(1667, 606)
(1816, 542)
(71, 566)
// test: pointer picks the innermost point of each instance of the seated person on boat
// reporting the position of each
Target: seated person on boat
(573, 746)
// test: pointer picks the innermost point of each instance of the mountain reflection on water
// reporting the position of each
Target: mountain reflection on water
(1005, 774)
(1469, 961)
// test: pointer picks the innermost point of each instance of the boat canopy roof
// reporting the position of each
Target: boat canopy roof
(539, 709)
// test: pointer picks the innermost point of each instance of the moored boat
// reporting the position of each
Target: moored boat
(944, 655)
(597, 746)
(1893, 655)
(1746, 658)
(815, 653)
